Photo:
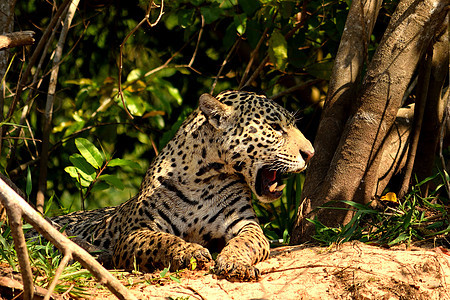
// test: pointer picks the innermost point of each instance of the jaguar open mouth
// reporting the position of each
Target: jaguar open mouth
(269, 183)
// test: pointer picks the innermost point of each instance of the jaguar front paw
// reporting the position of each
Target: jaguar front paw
(233, 270)
(183, 257)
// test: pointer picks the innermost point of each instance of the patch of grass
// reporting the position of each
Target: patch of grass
(415, 218)
(44, 260)
(410, 220)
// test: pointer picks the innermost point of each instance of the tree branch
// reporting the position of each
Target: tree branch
(35, 55)
(48, 115)
(225, 61)
(252, 58)
(15, 39)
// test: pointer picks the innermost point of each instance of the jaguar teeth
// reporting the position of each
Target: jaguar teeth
(274, 187)
(280, 188)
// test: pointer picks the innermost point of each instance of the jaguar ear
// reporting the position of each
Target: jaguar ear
(218, 114)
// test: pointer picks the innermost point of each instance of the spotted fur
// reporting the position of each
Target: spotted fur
(196, 196)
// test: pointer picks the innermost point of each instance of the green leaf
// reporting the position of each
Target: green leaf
(278, 50)
(120, 162)
(135, 103)
(163, 273)
(89, 152)
(80, 81)
(100, 186)
(135, 75)
(186, 17)
(83, 167)
(112, 180)
(210, 14)
(175, 93)
(171, 20)
(73, 172)
(402, 237)
(249, 6)
(240, 21)
(177, 280)
(29, 183)
(321, 70)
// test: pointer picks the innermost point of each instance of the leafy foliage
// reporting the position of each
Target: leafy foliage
(89, 166)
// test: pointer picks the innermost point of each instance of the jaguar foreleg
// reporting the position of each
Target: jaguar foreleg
(236, 261)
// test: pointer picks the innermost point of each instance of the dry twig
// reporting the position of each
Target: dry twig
(225, 61)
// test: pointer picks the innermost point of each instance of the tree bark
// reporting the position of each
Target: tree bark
(351, 173)
(6, 25)
(395, 148)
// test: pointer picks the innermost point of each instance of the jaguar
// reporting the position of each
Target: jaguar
(196, 197)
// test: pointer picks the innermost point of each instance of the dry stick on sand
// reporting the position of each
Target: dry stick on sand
(17, 208)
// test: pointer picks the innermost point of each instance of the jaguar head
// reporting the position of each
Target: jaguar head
(258, 139)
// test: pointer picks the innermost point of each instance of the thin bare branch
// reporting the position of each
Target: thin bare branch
(48, 115)
(64, 261)
(225, 61)
(252, 57)
(191, 62)
(15, 222)
(257, 71)
(296, 87)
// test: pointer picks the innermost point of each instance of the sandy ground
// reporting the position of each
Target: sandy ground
(350, 271)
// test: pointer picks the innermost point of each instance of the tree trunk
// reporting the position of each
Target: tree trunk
(352, 172)
(434, 109)
(6, 26)
(342, 88)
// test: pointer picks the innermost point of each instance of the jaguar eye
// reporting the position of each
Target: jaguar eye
(276, 127)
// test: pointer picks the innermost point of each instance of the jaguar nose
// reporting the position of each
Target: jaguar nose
(306, 155)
